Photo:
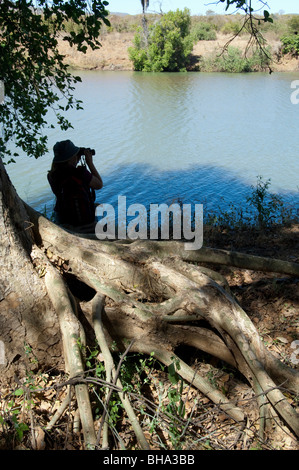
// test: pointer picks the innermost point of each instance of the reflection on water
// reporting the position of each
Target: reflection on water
(188, 136)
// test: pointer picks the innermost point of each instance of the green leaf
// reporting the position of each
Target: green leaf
(30, 60)
(172, 374)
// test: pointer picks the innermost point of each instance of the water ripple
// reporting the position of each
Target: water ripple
(187, 136)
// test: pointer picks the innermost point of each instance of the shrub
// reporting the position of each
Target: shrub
(138, 53)
(262, 209)
(266, 205)
(203, 32)
(168, 46)
(231, 27)
(234, 61)
(293, 24)
(261, 60)
(290, 45)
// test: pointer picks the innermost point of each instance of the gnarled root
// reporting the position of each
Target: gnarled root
(160, 300)
(70, 330)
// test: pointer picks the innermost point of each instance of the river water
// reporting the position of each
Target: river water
(193, 137)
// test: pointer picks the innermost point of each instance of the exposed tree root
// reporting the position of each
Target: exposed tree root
(160, 300)
(70, 330)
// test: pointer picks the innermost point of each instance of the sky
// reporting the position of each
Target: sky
(133, 7)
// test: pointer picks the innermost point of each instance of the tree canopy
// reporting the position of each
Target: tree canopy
(33, 70)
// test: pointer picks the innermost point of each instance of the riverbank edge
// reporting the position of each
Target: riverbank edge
(113, 54)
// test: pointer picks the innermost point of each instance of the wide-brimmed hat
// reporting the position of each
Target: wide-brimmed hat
(64, 150)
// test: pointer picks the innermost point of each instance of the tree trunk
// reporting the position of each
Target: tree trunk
(157, 299)
(28, 321)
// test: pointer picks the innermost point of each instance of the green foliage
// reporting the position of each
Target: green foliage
(290, 45)
(33, 71)
(231, 27)
(13, 426)
(234, 61)
(138, 53)
(167, 47)
(293, 24)
(290, 40)
(261, 59)
(176, 405)
(136, 371)
(265, 203)
(203, 31)
(13, 414)
(261, 210)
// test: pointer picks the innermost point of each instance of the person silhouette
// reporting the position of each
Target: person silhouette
(74, 186)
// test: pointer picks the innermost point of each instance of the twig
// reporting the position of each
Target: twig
(59, 412)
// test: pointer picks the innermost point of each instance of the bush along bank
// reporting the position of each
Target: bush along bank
(233, 60)
(262, 209)
(167, 46)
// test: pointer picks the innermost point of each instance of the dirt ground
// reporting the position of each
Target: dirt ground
(113, 55)
(270, 300)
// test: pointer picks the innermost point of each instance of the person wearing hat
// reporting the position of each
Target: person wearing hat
(74, 185)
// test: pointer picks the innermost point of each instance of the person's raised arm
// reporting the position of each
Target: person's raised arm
(96, 180)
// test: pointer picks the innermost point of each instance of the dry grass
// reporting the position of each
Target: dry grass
(113, 55)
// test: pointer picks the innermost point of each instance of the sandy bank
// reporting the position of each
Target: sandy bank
(113, 55)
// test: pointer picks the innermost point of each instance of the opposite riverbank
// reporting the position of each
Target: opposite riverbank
(113, 55)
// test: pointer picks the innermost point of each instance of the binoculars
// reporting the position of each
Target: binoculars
(82, 150)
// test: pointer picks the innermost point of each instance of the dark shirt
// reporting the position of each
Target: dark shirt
(74, 203)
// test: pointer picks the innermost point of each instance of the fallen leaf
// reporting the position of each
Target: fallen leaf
(282, 339)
